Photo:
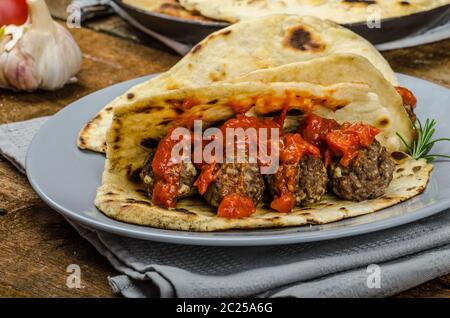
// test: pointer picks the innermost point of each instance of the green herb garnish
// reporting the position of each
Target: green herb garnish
(2, 31)
(422, 145)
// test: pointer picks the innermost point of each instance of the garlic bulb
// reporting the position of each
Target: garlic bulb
(40, 54)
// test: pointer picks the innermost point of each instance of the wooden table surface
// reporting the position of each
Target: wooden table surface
(36, 243)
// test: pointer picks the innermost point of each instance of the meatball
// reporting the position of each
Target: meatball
(235, 178)
(367, 177)
(308, 185)
(313, 179)
(187, 178)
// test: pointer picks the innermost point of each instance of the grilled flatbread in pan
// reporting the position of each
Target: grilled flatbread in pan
(137, 127)
(340, 11)
(238, 50)
(168, 7)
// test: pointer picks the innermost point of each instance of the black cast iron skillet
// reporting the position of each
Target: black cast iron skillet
(179, 29)
(396, 28)
(192, 31)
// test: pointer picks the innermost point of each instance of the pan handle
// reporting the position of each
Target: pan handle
(178, 47)
(93, 8)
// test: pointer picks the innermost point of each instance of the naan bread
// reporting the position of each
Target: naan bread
(192, 214)
(238, 50)
(343, 68)
(340, 11)
(168, 7)
(137, 127)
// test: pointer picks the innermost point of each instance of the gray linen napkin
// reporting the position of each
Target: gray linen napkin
(372, 265)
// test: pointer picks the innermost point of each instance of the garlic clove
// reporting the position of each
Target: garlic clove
(21, 71)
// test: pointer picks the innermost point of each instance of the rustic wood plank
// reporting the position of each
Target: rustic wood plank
(438, 288)
(430, 62)
(37, 245)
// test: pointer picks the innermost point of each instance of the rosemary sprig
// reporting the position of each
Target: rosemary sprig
(422, 145)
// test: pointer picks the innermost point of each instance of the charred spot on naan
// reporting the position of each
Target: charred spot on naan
(174, 9)
(300, 38)
(218, 75)
(399, 156)
(383, 122)
(405, 3)
(417, 168)
(172, 85)
(224, 33)
(150, 143)
(359, 2)
(366, 3)
(144, 202)
(196, 48)
(184, 211)
(81, 142)
(171, 6)
(167, 7)
(134, 175)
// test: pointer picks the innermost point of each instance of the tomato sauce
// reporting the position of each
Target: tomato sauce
(236, 206)
(407, 96)
(243, 121)
(246, 122)
(282, 117)
(188, 103)
(205, 178)
(318, 137)
(292, 149)
(316, 128)
(347, 141)
(166, 173)
(283, 203)
(288, 99)
(335, 139)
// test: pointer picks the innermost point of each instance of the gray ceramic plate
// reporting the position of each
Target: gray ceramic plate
(67, 178)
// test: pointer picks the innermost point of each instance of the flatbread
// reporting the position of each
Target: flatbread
(343, 68)
(137, 127)
(168, 7)
(340, 11)
(238, 50)
(192, 214)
